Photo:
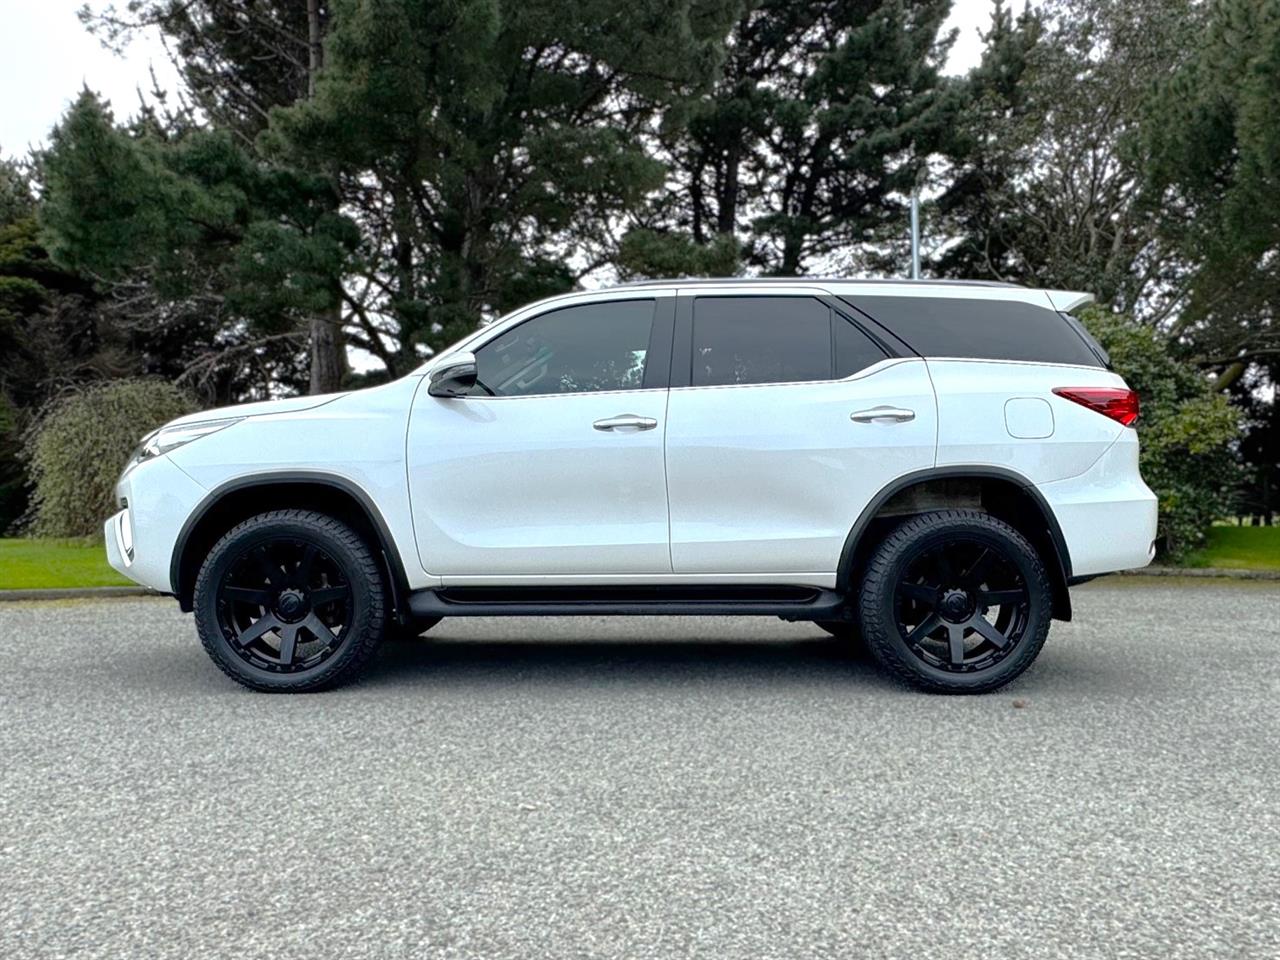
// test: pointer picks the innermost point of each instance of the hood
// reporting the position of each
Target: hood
(258, 409)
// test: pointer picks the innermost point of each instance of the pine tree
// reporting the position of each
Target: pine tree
(488, 151)
(1214, 136)
(808, 143)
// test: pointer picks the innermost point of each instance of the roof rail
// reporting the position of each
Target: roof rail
(702, 281)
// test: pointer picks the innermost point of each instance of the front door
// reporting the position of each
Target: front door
(785, 419)
(553, 466)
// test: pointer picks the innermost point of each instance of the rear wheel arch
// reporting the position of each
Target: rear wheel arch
(236, 501)
(1004, 494)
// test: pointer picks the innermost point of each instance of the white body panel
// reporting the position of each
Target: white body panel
(527, 485)
(770, 478)
(1107, 514)
(735, 484)
(972, 417)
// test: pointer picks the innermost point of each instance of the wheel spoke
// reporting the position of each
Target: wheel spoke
(303, 572)
(288, 643)
(329, 594)
(945, 573)
(955, 641)
(978, 570)
(996, 598)
(921, 593)
(926, 626)
(318, 629)
(988, 630)
(257, 629)
(247, 595)
(269, 570)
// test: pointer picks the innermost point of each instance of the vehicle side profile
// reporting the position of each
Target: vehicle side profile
(924, 468)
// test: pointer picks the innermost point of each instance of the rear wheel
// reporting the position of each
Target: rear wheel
(290, 601)
(955, 601)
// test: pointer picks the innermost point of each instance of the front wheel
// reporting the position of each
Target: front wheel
(955, 601)
(290, 601)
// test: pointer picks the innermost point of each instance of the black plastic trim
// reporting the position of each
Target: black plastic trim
(657, 363)
(1060, 571)
(790, 603)
(395, 568)
(888, 341)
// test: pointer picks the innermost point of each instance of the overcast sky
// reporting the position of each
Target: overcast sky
(46, 57)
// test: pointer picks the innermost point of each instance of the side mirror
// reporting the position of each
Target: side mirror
(454, 377)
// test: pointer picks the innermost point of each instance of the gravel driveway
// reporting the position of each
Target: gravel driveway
(646, 788)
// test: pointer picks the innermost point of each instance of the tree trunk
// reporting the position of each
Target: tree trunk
(328, 352)
(328, 348)
(314, 48)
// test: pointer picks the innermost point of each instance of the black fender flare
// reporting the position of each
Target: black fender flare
(377, 523)
(1059, 561)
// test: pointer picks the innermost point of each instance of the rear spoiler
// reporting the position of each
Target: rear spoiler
(1064, 301)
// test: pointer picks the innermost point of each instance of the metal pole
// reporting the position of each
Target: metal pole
(915, 236)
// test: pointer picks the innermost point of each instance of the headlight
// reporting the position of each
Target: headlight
(161, 441)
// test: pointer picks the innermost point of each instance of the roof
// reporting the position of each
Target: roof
(712, 281)
(1063, 300)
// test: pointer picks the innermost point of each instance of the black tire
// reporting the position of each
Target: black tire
(929, 594)
(290, 601)
(410, 631)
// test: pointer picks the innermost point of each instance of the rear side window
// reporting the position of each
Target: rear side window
(980, 329)
(744, 340)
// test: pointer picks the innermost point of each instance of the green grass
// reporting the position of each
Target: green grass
(31, 564)
(1239, 548)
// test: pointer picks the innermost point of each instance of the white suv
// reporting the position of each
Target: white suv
(920, 467)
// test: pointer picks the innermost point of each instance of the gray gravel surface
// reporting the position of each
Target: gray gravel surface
(646, 788)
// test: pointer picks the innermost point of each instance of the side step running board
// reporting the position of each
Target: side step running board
(789, 603)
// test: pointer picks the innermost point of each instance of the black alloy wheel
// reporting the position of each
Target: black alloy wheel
(955, 601)
(284, 605)
(290, 600)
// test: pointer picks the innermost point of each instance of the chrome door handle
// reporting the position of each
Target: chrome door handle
(887, 414)
(626, 420)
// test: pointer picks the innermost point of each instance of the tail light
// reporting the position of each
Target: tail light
(1120, 405)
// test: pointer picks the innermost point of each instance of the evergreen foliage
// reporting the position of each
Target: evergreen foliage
(80, 446)
(1186, 429)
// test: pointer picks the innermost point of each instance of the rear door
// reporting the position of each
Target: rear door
(553, 467)
(785, 418)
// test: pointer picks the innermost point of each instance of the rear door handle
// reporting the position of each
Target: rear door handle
(625, 420)
(883, 414)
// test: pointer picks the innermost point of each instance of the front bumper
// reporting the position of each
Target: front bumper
(157, 498)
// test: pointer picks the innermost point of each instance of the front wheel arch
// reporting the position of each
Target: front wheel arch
(237, 500)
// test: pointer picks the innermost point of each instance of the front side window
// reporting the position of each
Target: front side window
(581, 349)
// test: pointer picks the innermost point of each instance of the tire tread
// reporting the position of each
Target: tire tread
(352, 659)
(877, 577)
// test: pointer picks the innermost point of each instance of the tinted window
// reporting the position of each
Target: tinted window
(854, 349)
(760, 340)
(983, 329)
(583, 349)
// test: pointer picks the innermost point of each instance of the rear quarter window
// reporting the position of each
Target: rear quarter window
(980, 329)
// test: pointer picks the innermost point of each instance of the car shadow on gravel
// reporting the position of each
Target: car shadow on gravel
(431, 662)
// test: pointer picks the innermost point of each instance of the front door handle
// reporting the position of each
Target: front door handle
(883, 414)
(625, 420)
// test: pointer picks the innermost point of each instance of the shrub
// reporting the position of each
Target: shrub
(1186, 431)
(79, 446)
